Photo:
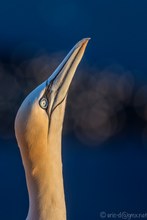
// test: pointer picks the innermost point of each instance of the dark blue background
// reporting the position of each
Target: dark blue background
(111, 177)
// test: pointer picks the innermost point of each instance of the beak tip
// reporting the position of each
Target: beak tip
(87, 38)
(83, 42)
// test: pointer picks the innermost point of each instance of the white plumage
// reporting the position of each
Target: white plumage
(38, 128)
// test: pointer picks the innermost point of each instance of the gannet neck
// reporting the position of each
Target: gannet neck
(43, 168)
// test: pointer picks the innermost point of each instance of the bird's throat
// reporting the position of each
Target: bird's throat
(45, 179)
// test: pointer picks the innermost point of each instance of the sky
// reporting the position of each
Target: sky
(117, 28)
(110, 177)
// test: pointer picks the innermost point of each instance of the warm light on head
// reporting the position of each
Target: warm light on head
(49, 96)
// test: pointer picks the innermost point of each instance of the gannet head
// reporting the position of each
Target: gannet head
(43, 109)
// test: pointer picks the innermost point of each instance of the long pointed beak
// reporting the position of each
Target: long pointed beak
(63, 75)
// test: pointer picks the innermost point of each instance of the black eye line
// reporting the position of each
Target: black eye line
(59, 103)
(47, 91)
(49, 116)
(48, 87)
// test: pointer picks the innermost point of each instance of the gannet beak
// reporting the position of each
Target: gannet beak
(63, 75)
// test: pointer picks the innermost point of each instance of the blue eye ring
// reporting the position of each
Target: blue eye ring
(43, 103)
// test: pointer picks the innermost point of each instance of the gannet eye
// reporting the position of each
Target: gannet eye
(43, 103)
